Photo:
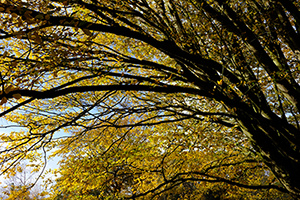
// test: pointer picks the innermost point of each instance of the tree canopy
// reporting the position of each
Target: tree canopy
(146, 97)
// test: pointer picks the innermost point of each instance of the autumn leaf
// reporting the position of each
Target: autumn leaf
(17, 96)
(3, 101)
(87, 32)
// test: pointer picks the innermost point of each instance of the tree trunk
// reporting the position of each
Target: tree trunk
(277, 143)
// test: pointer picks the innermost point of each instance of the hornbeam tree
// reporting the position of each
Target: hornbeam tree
(82, 66)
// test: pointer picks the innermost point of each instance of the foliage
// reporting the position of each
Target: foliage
(146, 96)
(170, 161)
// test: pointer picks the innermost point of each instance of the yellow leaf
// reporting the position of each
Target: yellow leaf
(14, 15)
(17, 96)
(8, 89)
(3, 101)
(19, 169)
(87, 32)
(39, 16)
(5, 54)
(38, 40)
(47, 17)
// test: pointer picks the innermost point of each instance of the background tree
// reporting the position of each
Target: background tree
(20, 185)
(79, 66)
